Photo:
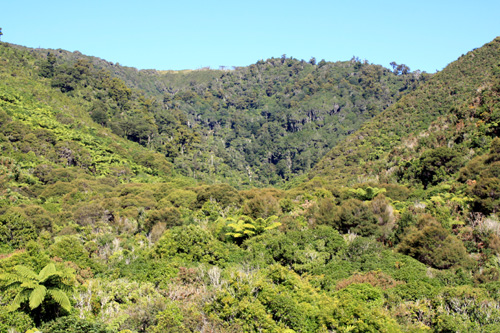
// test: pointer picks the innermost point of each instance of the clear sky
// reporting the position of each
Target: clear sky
(190, 34)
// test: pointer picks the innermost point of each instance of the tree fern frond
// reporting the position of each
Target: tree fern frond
(234, 234)
(235, 226)
(47, 271)
(25, 272)
(37, 296)
(249, 232)
(61, 298)
(20, 298)
(229, 219)
(9, 279)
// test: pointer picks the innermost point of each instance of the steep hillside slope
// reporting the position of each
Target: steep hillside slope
(376, 151)
(45, 129)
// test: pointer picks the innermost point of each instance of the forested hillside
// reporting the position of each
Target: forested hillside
(273, 120)
(251, 126)
(453, 111)
(134, 201)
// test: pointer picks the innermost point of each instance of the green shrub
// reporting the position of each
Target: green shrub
(190, 244)
(434, 246)
(16, 230)
(224, 194)
(73, 324)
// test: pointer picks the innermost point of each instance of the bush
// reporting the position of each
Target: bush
(434, 246)
(224, 194)
(356, 216)
(169, 216)
(16, 230)
(16, 321)
(262, 206)
(190, 244)
(73, 324)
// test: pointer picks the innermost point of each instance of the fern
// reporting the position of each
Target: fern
(10, 279)
(25, 272)
(46, 272)
(35, 287)
(37, 296)
(20, 298)
(61, 298)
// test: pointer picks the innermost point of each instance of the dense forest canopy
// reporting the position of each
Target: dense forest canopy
(285, 196)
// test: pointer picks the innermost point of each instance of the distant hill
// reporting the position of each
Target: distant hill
(271, 121)
(151, 81)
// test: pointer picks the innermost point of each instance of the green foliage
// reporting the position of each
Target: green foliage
(35, 290)
(356, 216)
(18, 321)
(190, 244)
(251, 126)
(16, 230)
(362, 293)
(434, 246)
(485, 188)
(182, 197)
(86, 179)
(244, 227)
(168, 216)
(262, 206)
(223, 194)
(170, 320)
(73, 324)
(301, 250)
(367, 193)
(434, 166)
(442, 112)
(69, 248)
(348, 315)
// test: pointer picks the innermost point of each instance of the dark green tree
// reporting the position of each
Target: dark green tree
(47, 67)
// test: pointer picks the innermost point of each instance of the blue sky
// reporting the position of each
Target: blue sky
(191, 34)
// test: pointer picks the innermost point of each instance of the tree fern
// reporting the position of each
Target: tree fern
(247, 227)
(9, 279)
(34, 288)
